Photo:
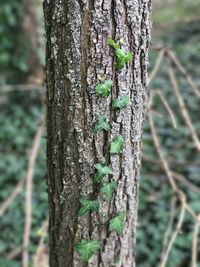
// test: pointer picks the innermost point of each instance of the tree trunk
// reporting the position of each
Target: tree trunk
(77, 58)
(30, 26)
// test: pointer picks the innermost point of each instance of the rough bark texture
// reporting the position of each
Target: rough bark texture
(77, 56)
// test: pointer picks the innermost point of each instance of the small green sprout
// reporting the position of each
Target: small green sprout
(101, 124)
(123, 57)
(104, 88)
(86, 248)
(112, 43)
(121, 102)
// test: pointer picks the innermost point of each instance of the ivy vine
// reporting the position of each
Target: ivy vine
(86, 248)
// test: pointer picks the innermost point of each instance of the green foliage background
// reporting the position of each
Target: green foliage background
(20, 113)
(177, 146)
(14, 50)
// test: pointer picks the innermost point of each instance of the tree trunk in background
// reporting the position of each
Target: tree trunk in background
(30, 25)
(77, 55)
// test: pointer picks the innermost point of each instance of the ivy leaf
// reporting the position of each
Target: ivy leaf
(112, 43)
(104, 88)
(117, 223)
(123, 57)
(86, 248)
(101, 124)
(117, 145)
(102, 170)
(108, 189)
(88, 205)
(121, 102)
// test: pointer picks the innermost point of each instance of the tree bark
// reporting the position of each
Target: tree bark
(77, 57)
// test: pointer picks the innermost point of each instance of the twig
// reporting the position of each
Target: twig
(183, 71)
(172, 175)
(195, 243)
(158, 149)
(176, 175)
(186, 182)
(174, 236)
(166, 168)
(41, 245)
(13, 254)
(183, 108)
(12, 197)
(28, 196)
(170, 224)
(166, 105)
(157, 65)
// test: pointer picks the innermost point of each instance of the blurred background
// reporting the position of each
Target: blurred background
(168, 223)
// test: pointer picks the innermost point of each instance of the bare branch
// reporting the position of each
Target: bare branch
(183, 71)
(166, 168)
(40, 254)
(183, 108)
(166, 105)
(170, 224)
(13, 254)
(176, 175)
(174, 236)
(158, 149)
(157, 65)
(186, 182)
(4, 206)
(163, 161)
(195, 243)
(28, 197)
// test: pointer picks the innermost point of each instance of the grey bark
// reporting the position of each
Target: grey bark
(77, 57)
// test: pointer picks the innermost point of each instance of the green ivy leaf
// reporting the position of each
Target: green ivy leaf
(104, 88)
(102, 170)
(112, 43)
(121, 102)
(123, 57)
(108, 189)
(117, 145)
(117, 223)
(101, 124)
(88, 205)
(86, 248)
